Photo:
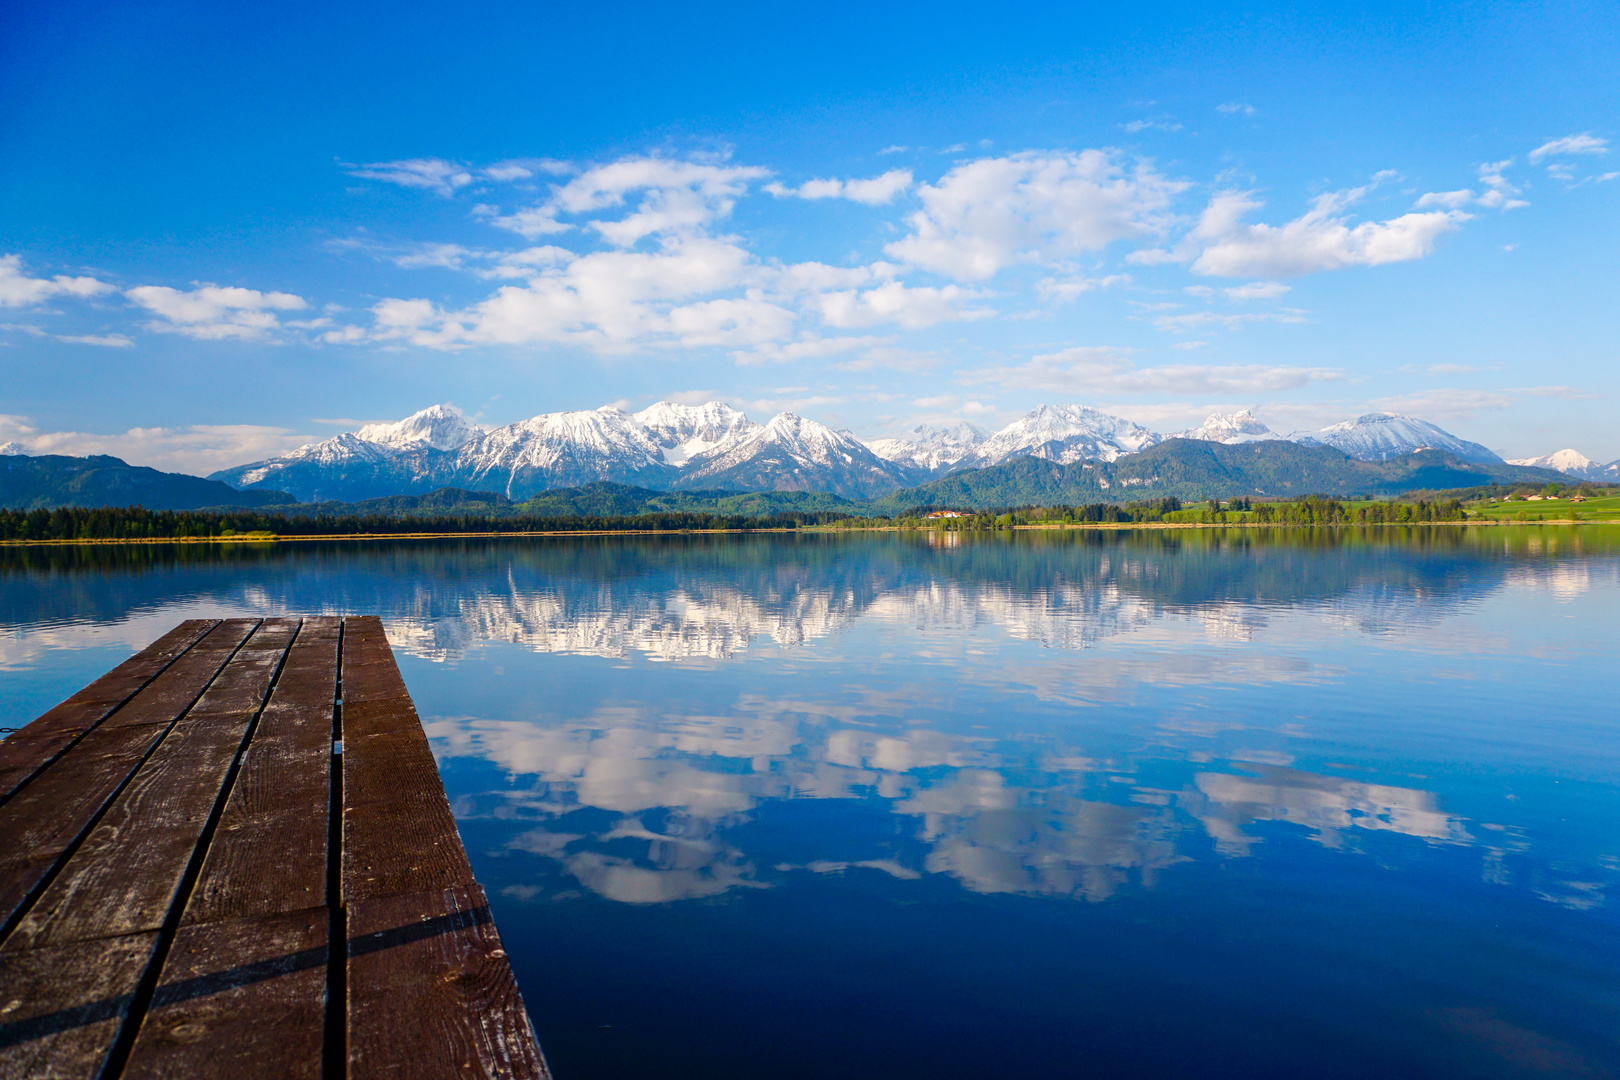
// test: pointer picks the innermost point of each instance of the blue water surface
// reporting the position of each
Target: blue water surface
(1327, 803)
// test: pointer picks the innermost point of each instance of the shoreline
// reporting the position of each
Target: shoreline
(1098, 526)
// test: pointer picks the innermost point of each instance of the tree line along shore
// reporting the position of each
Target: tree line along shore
(1555, 503)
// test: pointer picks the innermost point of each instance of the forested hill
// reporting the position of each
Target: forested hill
(1192, 470)
(598, 500)
(51, 480)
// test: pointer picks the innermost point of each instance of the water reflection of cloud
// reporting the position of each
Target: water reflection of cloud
(1327, 805)
(680, 786)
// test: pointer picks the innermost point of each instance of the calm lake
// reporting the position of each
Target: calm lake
(1328, 803)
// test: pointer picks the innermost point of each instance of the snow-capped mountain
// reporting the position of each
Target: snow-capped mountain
(930, 448)
(442, 427)
(12, 449)
(1381, 436)
(345, 467)
(561, 449)
(1238, 427)
(1064, 434)
(794, 454)
(683, 432)
(1570, 462)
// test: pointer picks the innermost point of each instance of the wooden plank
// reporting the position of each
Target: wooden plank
(123, 878)
(244, 683)
(398, 833)
(42, 820)
(431, 993)
(45, 817)
(173, 692)
(61, 1008)
(369, 670)
(269, 852)
(242, 998)
(30, 749)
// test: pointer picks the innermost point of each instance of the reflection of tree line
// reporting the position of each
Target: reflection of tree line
(642, 812)
(435, 583)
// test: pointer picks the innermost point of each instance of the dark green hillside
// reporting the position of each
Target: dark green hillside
(52, 480)
(598, 500)
(1193, 470)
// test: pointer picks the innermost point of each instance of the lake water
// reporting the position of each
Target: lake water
(1236, 803)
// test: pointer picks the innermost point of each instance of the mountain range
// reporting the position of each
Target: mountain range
(714, 448)
(671, 447)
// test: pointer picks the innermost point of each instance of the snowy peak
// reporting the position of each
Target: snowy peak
(1065, 434)
(1381, 436)
(13, 449)
(442, 427)
(683, 432)
(1238, 427)
(794, 454)
(928, 447)
(1571, 462)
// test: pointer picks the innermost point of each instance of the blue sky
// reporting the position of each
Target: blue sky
(224, 232)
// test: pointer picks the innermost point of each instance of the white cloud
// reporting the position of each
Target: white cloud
(426, 174)
(1231, 108)
(808, 348)
(1198, 319)
(1449, 199)
(676, 196)
(977, 408)
(1499, 194)
(17, 289)
(986, 215)
(111, 341)
(1063, 290)
(1190, 345)
(1317, 240)
(872, 192)
(894, 302)
(212, 313)
(197, 449)
(1258, 290)
(1136, 126)
(1090, 371)
(893, 150)
(1570, 144)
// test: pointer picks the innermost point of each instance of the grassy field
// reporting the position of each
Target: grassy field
(1606, 508)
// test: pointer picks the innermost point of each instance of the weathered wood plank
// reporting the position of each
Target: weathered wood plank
(60, 1008)
(30, 749)
(123, 878)
(241, 998)
(173, 692)
(431, 993)
(269, 852)
(242, 686)
(399, 835)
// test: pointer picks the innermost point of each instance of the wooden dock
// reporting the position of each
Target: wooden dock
(232, 856)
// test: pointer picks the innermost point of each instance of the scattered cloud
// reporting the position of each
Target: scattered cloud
(1091, 371)
(426, 174)
(1235, 108)
(894, 150)
(1318, 240)
(1449, 199)
(213, 313)
(1189, 345)
(1586, 143)
(911, 308)
(1063, 290)
(1258, 290)
(1499, 194)
(1037, 206)
(1135, 126)
(807, 348)
(17, 289)
(110, 341)
(872, 192)
(1181, 324)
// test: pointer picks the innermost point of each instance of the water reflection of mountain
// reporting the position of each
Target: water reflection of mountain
(707, 596)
